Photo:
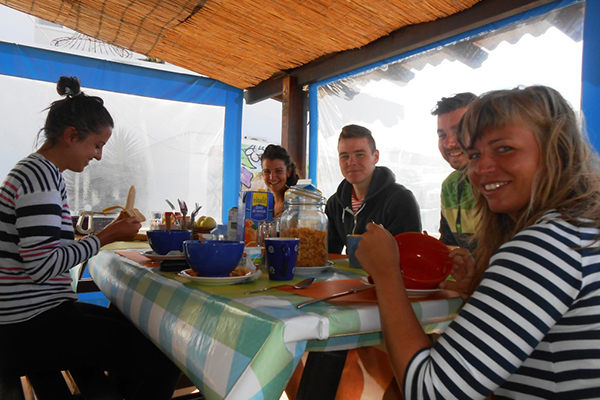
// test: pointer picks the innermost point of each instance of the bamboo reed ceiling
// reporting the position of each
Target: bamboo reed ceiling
(239, 42)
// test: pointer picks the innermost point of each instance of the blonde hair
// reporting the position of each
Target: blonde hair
(567, 179)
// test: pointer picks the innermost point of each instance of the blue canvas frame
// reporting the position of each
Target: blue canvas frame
(46, 65)
(590, 97)
(590, 76)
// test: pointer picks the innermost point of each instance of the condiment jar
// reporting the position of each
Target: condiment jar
(303, 218)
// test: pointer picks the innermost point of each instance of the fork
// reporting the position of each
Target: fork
(184, 210)
(194, 213)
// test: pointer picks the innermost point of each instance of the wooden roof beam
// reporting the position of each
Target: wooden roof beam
(398, 42)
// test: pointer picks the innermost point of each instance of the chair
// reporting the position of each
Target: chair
(184, 390)
(10, 388)
(49, 385)
(81, 284)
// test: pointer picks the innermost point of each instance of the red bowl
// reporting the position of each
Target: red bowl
(424, 260)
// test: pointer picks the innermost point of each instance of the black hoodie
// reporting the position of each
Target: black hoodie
(387, 203)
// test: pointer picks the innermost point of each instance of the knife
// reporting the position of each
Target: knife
(333, 296)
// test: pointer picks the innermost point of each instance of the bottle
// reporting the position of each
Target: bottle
(232, 216)
(303, 218)
(156, 221)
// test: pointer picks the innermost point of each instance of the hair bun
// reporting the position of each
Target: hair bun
(68, 86)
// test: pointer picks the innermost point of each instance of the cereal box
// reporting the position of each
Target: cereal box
(253, 207)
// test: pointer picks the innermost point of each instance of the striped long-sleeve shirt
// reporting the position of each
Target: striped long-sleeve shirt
(532, 328)
(37, 246)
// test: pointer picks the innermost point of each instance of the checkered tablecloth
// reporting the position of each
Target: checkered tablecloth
(236, 346)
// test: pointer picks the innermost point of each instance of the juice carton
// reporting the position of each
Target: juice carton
(253, 207)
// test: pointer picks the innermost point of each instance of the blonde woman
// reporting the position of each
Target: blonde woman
(531, 328)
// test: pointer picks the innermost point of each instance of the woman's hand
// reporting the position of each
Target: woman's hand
(464, 272)
(377, 252)
(123, 228)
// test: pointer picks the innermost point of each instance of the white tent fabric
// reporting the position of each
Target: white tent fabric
(395, 100)
(167, 149)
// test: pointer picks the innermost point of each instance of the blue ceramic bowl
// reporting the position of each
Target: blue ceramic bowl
(213, 257)
(163, 242)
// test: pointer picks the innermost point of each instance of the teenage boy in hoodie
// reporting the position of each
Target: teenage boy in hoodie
(367, 194)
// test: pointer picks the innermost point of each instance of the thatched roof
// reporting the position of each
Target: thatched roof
(239, 42)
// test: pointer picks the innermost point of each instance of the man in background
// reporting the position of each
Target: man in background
(458, 220)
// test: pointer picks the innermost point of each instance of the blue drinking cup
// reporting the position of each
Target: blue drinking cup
(281, 254)
(351, 245)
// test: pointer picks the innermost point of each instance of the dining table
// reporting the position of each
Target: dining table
(235, 345)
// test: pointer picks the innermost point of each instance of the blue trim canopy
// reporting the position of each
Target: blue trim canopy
(464, 35)
(590, 76)
(313, 153)
(590, 88)
(46, 65)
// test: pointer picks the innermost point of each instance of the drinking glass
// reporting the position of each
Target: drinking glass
(267, 229)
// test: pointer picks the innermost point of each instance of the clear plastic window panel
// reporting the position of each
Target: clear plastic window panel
(395, 100)
(167, 149)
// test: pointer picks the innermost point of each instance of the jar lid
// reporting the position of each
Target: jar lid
(304, 194)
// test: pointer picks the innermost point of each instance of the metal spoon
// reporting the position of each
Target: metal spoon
(299, 285)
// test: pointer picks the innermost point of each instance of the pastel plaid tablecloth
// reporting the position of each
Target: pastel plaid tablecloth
(236, 346)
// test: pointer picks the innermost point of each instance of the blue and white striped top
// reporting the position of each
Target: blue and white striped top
(36, 241)
(531, 330)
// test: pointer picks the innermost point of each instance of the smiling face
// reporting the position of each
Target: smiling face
(275, 174)
(357, 162)
(81, 152)
(502, 165)
(447, 144)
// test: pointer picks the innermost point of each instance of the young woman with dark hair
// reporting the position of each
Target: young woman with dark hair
(279, 173)
(43, 327)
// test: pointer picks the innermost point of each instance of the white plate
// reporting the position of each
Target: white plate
(221, 280)
(169, 256)
(313, 270)
(415, 293)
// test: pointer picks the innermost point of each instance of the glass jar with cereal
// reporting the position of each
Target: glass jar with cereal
(303, 217)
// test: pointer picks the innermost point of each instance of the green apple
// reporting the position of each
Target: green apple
(209, 223)
(199, 222)
(205, 222)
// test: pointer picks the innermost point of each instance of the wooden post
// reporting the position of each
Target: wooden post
(293, 123)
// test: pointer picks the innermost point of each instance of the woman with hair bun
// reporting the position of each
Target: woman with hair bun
(531, 328)
(43, 328)
(279, 173)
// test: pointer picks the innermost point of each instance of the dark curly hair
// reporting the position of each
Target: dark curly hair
(276, 152)
(85, 113)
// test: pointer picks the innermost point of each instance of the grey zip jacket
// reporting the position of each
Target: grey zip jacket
(387, 203)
